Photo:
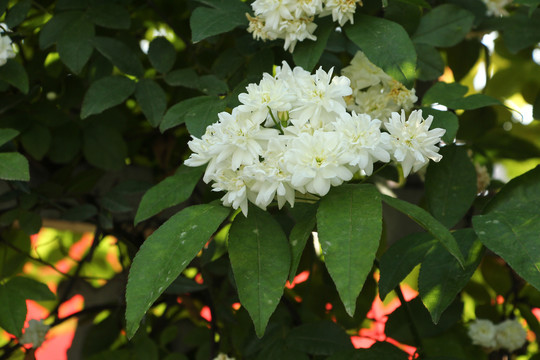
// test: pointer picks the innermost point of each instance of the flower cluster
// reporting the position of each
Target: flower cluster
(509, 334)
(292, 20)
(292, 133)
(6, 49)
(375, 92)
(496, 7)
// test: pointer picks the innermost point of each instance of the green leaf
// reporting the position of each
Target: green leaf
(445, 120)
(472, 102)
(349, 223)
(106, 93)
(7, 135)
(3, 6)
(401, 258)
(387, 45)
(12, 311)
(120, 55)
(422, 3)
(298, 237)
(444, 26)
(14, 166)
(377, 351)
(161, 54)
(104, 147)
(536, 107)
(442, 93)
(441, 277)
(183, 77)
(428, 222)
(29, 221)
(260, 259)
(169, 192)
(320, 338)
(37, 141)
(13, 250)
(29, 289)
(175, 244)
(224, 16)
(74, 44)
(112, 16)
(54, 28)
(152, 100)
(14, 74)
(451, 185)
(430, 62)
(307, 53)
(197, 113)
(511, 225)
(521, 30)
(17, 13)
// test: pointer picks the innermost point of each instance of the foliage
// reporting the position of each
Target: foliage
(97, 108)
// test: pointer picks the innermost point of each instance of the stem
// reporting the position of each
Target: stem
(278, 124)
(374, 173)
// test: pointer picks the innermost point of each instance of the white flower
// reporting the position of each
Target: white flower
(234, 183)
(273, 11)
(341, 10)
(6, 49)
(482, 332)
(222, 356)
(364, 140)
(35, 333)
(496, 7)
(297, 30)
(363, 73)
(413, 144)
(510, 335)
(316, 162)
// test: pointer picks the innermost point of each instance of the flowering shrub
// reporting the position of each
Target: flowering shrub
(383, 154)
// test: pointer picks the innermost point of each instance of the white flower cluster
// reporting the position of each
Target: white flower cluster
(496, 7)
(35, 333)
(375, 92)
(292, 133)
(292, 20)
(6, 49)
(222, 356)
(509, 334)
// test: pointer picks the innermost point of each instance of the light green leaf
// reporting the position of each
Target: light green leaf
(260, 259)
(401, 258)
(428, 222)
(451, 185)
(104, 147)
(152, 100)
(445, 120)
(36, 141)
(430, 63)
(17, 13)
(74, 44)
(162, 54)
(7, 135)
(109, 15)
(349, 223)
(224, 16)
(29, 289)
(174, 244)
(14, 74)
(441, 277)
(12, 311)
(298, 237)
(54, 28)
(387, 45)
(14, 166)
(444, 26)
(320, 338)
(307, 53)
(169, 192)
(197, 113)
(106, 93)
(120, 55)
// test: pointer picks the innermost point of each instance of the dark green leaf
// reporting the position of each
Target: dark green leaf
(422, 3)
(106, 93)
(349, 223)
(321, 338)
(12, 311)
(14, 166)
(74, 45)
(54, 28)
(7, 135)
(184, 285)
(14, 74)
(224, 16)
(536, 107)
(17, 13)
(441, 277)
(442, 93)
(211, 85)
(401, 258)
(162, 54)
(80, 213)
(425, 220)
(406, 15)
(387, 45)
(3, 6)
(430, 62)
(152, 100)
(472, 102)
(36, 141)
(298, 237)
(197, 113)
(444, 26)
(445, 120)
(29, 289)
(260, 259)
(104, 147)
(29, 221)
(451, 185)
(521, 30)
(112, 16)
(169, 192)
(377, 351)
(120, 55)
(307, 53)
(174, 245)
(183, 77)
(66, 143)
(13, 249)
